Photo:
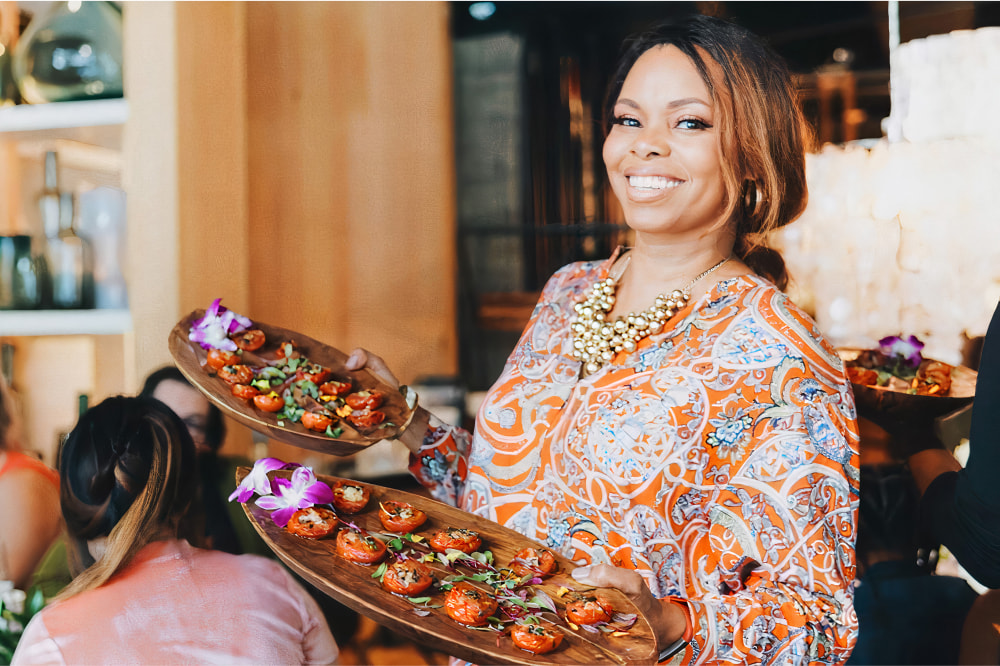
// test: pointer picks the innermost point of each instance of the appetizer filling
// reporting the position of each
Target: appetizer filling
(276, 378)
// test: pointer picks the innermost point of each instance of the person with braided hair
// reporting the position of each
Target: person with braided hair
(143, 590)
(27, 488)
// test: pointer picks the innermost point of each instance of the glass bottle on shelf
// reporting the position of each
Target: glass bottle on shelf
(71, 262)
(67, 263)
(71, 51)
(101, 221)
(20, 286)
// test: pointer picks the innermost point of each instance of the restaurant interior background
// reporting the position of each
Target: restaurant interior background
(405, 176)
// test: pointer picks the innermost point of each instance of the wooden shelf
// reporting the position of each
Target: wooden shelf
(64, 322)
(63, 115)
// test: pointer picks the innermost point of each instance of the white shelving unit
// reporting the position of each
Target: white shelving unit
(63, 115)
(88, 122)
(64, 322)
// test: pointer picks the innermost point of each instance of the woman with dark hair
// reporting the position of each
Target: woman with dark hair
(208, 430)
(143, 592)
(669, 420)
(29, 501)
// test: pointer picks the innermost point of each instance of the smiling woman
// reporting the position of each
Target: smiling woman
(669, 420)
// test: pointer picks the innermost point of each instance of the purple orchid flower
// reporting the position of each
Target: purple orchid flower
(907, 350)
(213, 330)
(256, 482)
(301, 491)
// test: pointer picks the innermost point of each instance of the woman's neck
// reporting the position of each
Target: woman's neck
(659, 268)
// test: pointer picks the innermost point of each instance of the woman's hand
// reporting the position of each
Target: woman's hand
(668, 620)
(362, 358)
(413, 436)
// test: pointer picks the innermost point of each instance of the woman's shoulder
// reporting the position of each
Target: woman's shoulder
(768, 313)
(19, 464)
(579, 271)
(249, 566)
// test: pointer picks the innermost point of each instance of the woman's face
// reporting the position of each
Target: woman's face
(189, 404)
(662, 153)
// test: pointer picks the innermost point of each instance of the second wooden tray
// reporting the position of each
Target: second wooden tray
(352, 584)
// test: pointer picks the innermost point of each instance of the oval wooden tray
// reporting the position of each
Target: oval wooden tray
(888, 401)
(352, 584)
(190, 359)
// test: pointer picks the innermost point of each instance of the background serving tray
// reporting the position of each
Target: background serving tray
(190, 359)
(352, 584)
(886, 401)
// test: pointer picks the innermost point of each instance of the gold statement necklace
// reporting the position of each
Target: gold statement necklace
(596, 340)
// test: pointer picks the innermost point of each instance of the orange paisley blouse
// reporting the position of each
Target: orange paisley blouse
(719, 460)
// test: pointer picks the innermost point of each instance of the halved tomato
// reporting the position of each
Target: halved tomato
(244, 391)
(269, 402)
(530, 561)
(250, 340)
(469, 605)
(359, 547)
(589, 610)
(315, 421)
(236, 374)
(314, 522)
(536, 638)
(217, 358)
(368, 399)
(350, 497)
(317, 374)
(464, 540)
(400, 516)
(366, 418)
(407, 577)
(335, 388)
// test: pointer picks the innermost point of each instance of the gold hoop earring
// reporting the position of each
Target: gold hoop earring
(753, 200)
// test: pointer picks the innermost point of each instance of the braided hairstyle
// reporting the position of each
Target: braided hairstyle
(128, 473)
(763, 132)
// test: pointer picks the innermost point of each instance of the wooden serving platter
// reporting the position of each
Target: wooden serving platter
(353, 585)
(190, 359)
(888, 401)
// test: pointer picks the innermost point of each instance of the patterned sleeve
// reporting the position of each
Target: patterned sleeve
(442, 464)
(783, 498)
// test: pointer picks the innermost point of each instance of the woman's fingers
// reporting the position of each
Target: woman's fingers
(362, 358)
(605, 575)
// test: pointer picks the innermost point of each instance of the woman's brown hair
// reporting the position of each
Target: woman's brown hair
(128, 473)
(763, 133)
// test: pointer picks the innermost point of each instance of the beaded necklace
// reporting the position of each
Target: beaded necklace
(596, 340)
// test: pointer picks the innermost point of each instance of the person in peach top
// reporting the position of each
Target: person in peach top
(28, 487)
(697, 448)
(142, 593)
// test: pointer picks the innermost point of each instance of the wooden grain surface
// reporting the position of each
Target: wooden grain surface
(885, 400)
(351, 584)
(190, 359)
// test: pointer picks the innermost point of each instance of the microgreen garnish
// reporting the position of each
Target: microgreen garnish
(418, 600)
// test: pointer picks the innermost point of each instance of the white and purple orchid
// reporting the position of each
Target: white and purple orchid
(213, 330)
(905, 350)
(303, 490)
(256, 482)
